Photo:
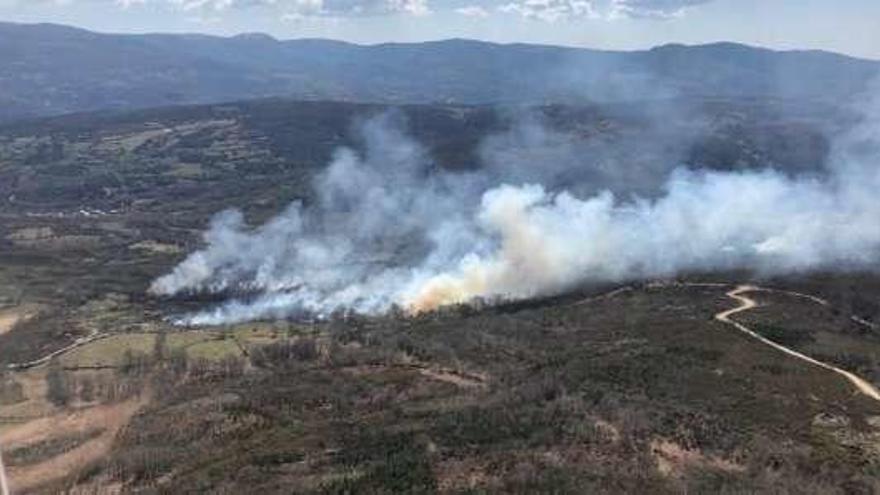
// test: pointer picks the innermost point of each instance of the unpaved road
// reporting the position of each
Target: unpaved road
(746, 304)
(94, 336)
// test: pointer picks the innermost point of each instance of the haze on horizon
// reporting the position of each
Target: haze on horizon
(848, 26)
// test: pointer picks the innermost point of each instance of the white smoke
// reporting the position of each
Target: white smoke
(706, 220)
(387, 230)
(374, 220)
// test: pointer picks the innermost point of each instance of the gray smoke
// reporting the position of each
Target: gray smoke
(387, 229)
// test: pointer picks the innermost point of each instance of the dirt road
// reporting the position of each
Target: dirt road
(747, 304)
(83, 341)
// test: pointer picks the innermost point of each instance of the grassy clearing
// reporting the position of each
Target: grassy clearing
(109, 351)
(212, 346)
(185, 340)
(214, 350)
(257, 331)
(187, 171)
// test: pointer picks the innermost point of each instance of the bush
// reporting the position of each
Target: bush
(281, 353)
(789, 337)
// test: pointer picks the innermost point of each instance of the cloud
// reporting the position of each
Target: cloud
(297, 9)
(22, 3)
(562, 10)
(542, 10)
(551, 10)
(472, 11)
(655, 8)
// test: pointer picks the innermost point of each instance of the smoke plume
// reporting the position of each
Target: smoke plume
(387, 229)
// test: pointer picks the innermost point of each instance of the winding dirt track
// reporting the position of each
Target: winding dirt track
(84, 341)
(747, 304)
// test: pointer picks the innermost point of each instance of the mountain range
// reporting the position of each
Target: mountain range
(48, 69)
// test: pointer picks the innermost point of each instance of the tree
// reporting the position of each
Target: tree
(11, 392)
(58, 387)
(159, 347)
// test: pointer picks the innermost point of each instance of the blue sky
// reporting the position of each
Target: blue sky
(847, 26)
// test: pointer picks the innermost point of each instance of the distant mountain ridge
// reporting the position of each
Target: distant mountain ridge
(48, 69)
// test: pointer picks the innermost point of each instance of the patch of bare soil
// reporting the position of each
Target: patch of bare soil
(112, 418)
(456, 378)
(673, 459)
(9, 317)
(462, 475)
(155, 247)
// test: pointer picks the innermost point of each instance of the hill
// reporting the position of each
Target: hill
(51, 69)
(206, 156)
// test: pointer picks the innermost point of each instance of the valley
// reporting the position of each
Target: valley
(604, 388)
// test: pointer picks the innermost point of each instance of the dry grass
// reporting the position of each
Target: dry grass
(155, 247)
(214, 350)
(110, 351)
(35, 405)
(187, 171)
(673, 459)
(185, 340)
(458, 379)
(111, 418)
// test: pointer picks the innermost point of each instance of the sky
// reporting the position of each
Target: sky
(846, 26)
